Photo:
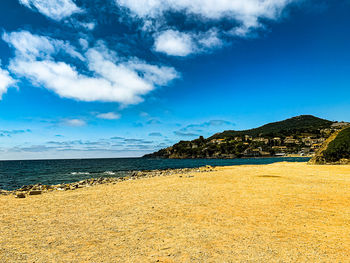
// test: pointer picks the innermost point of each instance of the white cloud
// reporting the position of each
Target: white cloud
(55, 9)
(209, 40)
(247, 11)
(111, 79)
(83, 43)
(245, 16)
(174, 43)
(84, 25)
(5, 81)
(90, 25)
(109, 116)
(151, 73)
(74, 122)
(31, 46)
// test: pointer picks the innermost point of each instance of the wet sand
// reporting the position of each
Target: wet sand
(283, 212)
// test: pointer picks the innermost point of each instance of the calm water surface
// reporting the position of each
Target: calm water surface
(14, 174)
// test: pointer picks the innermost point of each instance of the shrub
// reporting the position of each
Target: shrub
(339, 148)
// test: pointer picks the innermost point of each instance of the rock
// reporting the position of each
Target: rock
(344, 161)
(35, 192)
(38, 189)
(20, 195)
(3, 192)
(26, 187)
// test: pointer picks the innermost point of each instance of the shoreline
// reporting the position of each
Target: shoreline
(79, 183)
(38, 189)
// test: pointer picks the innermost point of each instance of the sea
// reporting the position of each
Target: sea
(14, 174)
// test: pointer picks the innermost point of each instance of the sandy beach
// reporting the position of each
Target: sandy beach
(283, 212)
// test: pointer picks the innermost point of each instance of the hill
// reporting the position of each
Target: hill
(336, 150)
(298, 135)
(293, 126)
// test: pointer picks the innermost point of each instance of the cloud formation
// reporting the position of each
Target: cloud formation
(31, 47)
(247, 12)
(55, 9)
(205, 33)
(88, 69)
(5, 81)
(205, 128)
(111, 78)
(109, 116)
(174, 43)
(185, 134)
(207, 125)
(9, 133)
(74, 122)
(155, 134)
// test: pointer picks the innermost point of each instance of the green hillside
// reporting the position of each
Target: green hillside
(298, 135)
(336, 151)
(296, 126)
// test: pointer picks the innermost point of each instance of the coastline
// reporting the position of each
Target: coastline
(291, 212)
(38, 189)
(90, 173)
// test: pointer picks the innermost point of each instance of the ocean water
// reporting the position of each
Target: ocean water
(14, 174)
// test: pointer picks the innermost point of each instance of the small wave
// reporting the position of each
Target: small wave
(79, 173)
(109, 173)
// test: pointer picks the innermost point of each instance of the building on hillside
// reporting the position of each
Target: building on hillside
(217, 141)
(247, 138)
(309, 141)
(326, 132)
(277, 140)
(252, 152)
(288, 140)
(260, 139)
(280, 148)
(316, 146)
(280, 154)
(264, 154)
(340, 125)
(305, 151)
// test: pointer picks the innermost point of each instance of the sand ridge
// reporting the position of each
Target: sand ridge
(283, 212)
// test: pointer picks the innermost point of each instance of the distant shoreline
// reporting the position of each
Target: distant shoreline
(121, 158)
(241, 158)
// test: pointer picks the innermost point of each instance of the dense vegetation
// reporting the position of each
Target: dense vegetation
(339, 148)
(283, 137)
(293, 126)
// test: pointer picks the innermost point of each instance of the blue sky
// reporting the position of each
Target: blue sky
(121, 78)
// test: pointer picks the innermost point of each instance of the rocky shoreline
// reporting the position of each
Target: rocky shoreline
(38, 189)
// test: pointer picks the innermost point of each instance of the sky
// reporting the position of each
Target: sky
(122, 78)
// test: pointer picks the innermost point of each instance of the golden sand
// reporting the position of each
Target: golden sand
(285, 212)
